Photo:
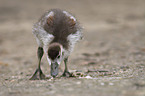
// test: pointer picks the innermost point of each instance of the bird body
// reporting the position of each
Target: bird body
(56, 33)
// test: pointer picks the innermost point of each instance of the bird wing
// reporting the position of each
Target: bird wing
(42, 37)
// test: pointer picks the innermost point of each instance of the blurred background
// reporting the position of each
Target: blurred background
(114, 40)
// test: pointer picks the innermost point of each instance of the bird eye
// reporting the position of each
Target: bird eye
(58, 56)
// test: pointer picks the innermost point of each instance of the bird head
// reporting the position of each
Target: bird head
(55, 56)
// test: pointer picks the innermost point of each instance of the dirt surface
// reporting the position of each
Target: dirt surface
(111, 58)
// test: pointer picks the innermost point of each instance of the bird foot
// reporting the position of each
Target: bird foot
(67, 74)
(38, 75)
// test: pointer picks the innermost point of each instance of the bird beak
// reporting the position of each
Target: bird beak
(54, 69)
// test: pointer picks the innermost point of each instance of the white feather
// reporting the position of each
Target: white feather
(51, 13)
(73, 39)
(69, 15)
(42, 37)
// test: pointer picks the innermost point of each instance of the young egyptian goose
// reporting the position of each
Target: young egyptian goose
(56, 33)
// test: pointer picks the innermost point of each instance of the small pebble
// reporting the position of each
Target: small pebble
(78, 83)
(111, 84)
(88, 77)
(102, 84)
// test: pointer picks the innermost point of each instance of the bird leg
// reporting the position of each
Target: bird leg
(40, 74)
(66, 73)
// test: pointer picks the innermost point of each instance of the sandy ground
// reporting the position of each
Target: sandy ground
(113, 46)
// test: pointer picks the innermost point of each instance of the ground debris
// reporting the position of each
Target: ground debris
(86, 54)
(90, 72)
(78, 74)
(97, 71)
(139, 85)
(4, 64)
